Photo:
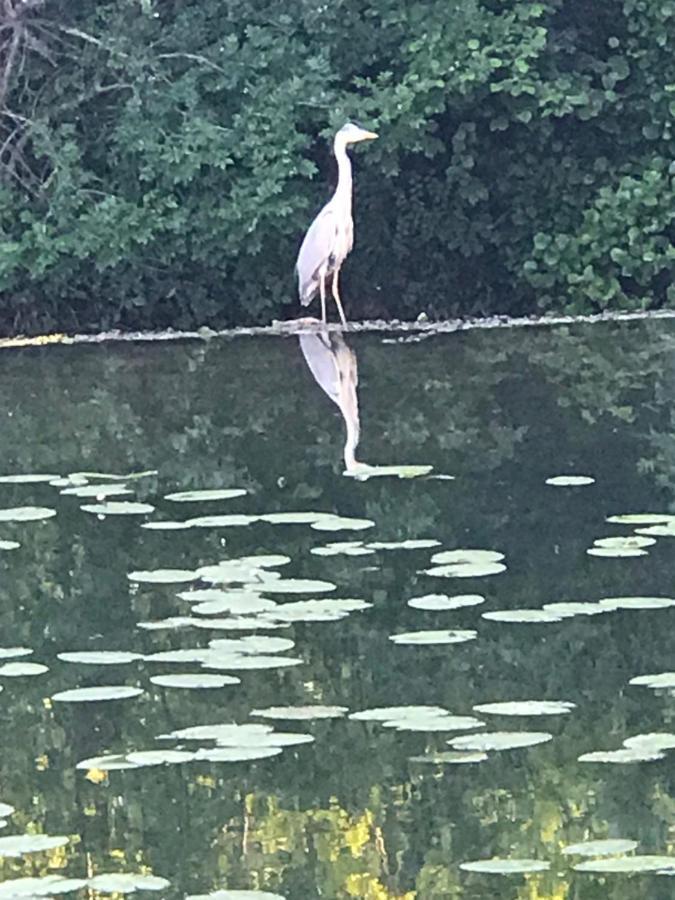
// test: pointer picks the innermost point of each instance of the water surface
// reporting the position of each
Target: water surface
(353, 813)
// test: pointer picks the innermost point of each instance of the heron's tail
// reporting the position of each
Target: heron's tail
(308, 290)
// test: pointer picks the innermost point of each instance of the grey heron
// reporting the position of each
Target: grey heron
(330, 237)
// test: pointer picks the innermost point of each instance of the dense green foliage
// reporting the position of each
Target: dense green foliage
(160, 160)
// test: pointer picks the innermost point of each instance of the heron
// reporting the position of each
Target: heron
(330, 237)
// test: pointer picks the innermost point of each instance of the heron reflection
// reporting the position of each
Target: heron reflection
(333, 364)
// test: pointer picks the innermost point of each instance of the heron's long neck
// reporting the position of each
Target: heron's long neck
(343, 192)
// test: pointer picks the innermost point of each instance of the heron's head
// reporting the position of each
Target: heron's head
(352, 134)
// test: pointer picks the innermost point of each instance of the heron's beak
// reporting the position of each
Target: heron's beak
(368, 135)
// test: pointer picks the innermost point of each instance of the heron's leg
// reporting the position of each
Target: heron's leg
(322, 291)
(336, 296)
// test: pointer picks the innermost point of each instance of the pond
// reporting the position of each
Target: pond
(227, 666)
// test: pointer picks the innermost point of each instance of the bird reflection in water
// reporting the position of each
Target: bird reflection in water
(333, 364)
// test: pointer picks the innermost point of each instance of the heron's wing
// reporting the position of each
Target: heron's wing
(316, 254)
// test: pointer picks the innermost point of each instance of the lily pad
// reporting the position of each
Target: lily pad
(218, 660)
(567, 610)
(625, 755)
(95, 694)
(301, 712)
(225, 521)
(389, 713)
(181, 655)
(165, 525)
(9, 545)
(293, 518)
(637, 602)
(627, 865)
(97, 490)
(19, 844)
(498, 866)
(343, 548)
(616, 552)
(235, 754)
(236, 895)
(26, 514)
(163, 576)
(26, 479)
(191, 681)
(662, 680)
(5, 810)
(408, 544)
(127, 882)
(237, 604)
(21, 669)
(47, 885)
(440, 602)
(427, 723)
(100, 657)
(466, 570)
(606, 847)
(206, 495)
(466, 557)
(642, 519)
(667, 530)
(315, 610)
(625, 542)
(170, 623)
(297, 586)
(14, 652)
(159, 757)
(526, 708)
(341, 523)
(655, 741)
(438, 636)
(449, 757)
(237, 735)
(364, 471)
(118, 508)
(522, 615)
(253, 643)
(500, 740)
(570, 480)
(109, 763)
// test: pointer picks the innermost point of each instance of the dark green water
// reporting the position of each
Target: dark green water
(348, 815)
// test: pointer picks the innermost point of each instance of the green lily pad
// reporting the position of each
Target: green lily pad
(497, 866)
(633, 541)
(315, 610)
(26, 514)
(181, 655)
(238, 604)
(159, 757)
(191, 681)
(466, 570)
(109, 763)
(21, 669)
(628, 865)
(449, 757)
(500, 740)
(625, 755)
(466, 557)
(655, 741)
(127, 883)
(206, 495)
(616, 552)
(301, 712)
(118, 508)
(606, 847)
(237, 735)
(26, 479)
(5, 810)
(95, 694)
(363, 471)
(522, 615)
(526, 708)
(47, 885)
(259, 622)
(225, 521)
(440, 602)
(236, 895)
(163, 576)
(567, 610)
(9, 545)
(253, 643)
(343, 548)
(390, 713)
(570, 480)
(293, 518)
(97, 490)
(429, 723)
(231, 662)
(107, 476)
(642, 519)
(100, 657)
(341, 523)
(662, 680)
(438, 636)
(170, 623)
(235, 754)
(19, 844)
(14, 652)
(658, 530)
(297, 586)
(637, 602)
(408, 544)
(165, 525)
